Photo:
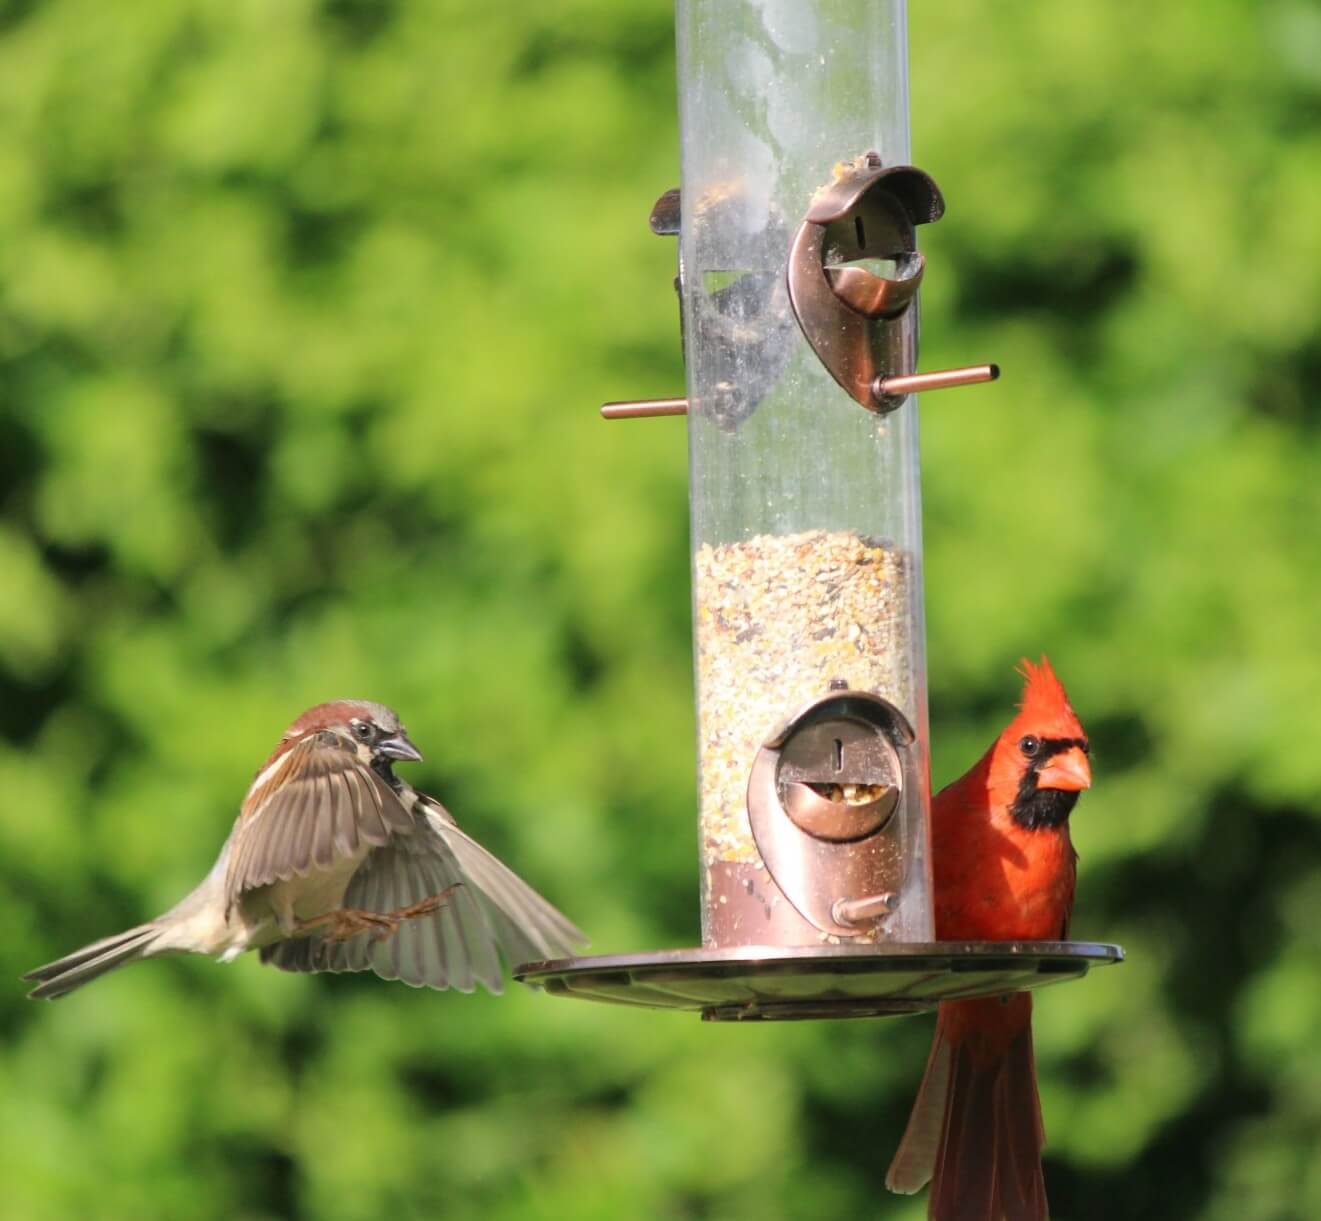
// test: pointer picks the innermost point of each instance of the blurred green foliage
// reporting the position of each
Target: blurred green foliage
(304, 314)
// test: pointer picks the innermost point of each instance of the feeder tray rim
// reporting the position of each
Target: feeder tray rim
(901, 952)
(769, 983)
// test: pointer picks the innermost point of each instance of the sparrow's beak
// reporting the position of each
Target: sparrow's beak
(399, 747)
(1069, 771)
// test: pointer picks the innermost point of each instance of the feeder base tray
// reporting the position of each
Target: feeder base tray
(760, 983)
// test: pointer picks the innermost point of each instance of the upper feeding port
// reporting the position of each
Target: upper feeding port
(854, 271)
(867, 241)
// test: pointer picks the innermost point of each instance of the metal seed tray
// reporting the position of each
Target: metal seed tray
(760, 983)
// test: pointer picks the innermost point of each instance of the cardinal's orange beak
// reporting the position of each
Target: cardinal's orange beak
(1069, 771)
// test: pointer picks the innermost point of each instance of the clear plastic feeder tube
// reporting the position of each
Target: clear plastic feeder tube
(806, 531)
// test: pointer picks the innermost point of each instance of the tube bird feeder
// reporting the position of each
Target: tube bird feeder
(798, 276)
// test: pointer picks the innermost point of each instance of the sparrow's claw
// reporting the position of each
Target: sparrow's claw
(426, 907)
(347, 922)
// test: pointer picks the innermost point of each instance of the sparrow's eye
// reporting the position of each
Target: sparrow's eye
(362, 729)
(1029, 745)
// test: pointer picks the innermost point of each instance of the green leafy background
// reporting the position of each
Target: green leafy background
(305, 310)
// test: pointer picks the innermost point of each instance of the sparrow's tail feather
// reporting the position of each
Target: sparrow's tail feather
(976, 1131)
(72, 971)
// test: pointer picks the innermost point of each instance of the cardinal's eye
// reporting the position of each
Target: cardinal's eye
(1029, 745)
(362, 729)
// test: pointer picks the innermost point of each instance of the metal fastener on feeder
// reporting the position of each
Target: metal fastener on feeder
(798, 279)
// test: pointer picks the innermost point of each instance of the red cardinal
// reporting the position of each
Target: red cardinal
(1004, 871)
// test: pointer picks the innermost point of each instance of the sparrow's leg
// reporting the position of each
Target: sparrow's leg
(425, 907)
(346, 922)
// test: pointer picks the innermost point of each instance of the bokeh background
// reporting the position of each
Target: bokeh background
(305, 311)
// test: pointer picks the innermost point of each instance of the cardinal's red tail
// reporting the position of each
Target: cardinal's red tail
(975, 1132)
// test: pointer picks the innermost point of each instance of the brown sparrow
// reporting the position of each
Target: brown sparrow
(336, 864)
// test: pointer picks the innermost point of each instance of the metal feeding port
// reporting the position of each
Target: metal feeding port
(821, 802)
(854, 271)
(799, 278)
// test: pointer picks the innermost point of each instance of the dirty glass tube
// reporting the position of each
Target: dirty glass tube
(806, 532)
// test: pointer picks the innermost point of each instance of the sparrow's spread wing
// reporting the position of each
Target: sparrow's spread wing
(315, 805)
(492, 913)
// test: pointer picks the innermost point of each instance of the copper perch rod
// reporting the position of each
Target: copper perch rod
(859, 911)
(916, 383)
(886, 388)
(644, 407)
